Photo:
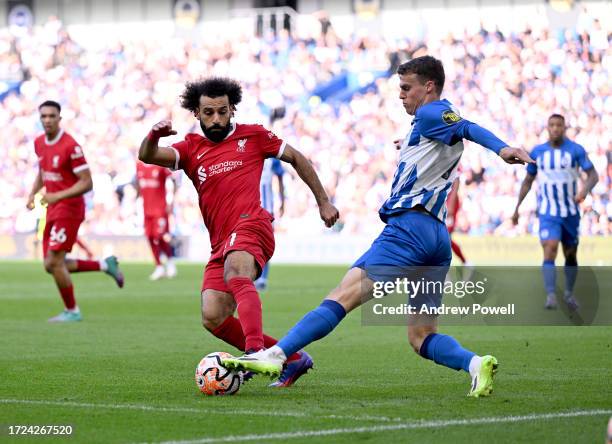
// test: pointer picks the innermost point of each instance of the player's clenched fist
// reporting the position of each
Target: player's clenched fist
(162, 129)
(329, 214)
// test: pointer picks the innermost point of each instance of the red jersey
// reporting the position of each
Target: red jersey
(226, 175)
(152, 184)
(59, 161)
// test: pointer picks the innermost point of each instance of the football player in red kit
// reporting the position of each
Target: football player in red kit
(64, 173)
(225, 164)
(151, 185)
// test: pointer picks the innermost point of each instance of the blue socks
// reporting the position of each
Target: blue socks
(550, 277)
(264, 272)
(315, 325)
(446, 351)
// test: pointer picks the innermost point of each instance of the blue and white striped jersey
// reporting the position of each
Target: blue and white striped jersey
(272, 167)
(558, 174)
(429, 157)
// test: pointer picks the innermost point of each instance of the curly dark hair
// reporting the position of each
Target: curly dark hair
(211, 87)
(426, 68)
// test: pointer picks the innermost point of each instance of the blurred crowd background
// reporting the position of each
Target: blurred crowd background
(334, 98)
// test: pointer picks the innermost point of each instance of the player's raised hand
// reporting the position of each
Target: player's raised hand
(162, 129)
(515, 155)
(329, 214)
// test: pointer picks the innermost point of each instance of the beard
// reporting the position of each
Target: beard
(216, 133)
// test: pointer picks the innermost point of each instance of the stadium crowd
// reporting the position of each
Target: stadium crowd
(113, 93)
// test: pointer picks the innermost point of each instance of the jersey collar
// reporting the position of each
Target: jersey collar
(56, 139)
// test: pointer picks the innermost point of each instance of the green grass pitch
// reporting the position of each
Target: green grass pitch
(126, 373)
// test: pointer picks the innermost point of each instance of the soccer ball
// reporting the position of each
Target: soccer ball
(214, 379)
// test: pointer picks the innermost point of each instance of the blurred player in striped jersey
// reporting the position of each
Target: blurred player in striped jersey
(557, 166)
(272, 168)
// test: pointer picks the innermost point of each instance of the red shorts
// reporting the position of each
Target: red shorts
(256, 237)
(156, 226)
(60, 235)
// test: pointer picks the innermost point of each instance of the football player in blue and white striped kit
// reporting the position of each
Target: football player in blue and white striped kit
(415, 233)
(558, 164)
(272, 168)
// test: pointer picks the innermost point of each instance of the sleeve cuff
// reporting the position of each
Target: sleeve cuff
(80, 168)
(177, 157)
(281, 150)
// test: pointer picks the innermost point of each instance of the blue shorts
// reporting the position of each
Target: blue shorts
(564, 229)
(413, 245)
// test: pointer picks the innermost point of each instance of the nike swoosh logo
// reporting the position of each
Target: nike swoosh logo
(200, 155)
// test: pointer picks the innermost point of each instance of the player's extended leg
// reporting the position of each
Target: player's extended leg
(353, 290)
(458, 252)
(550, 248)
(166, 249)
(447, 351)
(109, 265)
(239, 271)
(55, 265)
(159, 271)
(218, 317)
(571, 272)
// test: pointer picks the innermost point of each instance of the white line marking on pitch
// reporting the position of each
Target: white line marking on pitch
(214, 411)
(391, 427)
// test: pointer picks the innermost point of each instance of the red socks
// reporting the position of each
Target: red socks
(68, 297)
(230, 331)
(87, 266)
(155, 249)
(457, 251)
(249, 311)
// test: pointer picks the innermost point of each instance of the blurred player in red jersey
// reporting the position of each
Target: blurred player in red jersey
(151, 185)
(453, 204)
(64, 173)
(225, 165)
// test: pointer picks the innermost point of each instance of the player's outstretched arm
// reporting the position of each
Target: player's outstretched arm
(36, 186)
(150, 152)
(525, 187)
(482, 136)
(329, 213)
(82, 186)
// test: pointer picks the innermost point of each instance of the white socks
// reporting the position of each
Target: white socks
(475, 365)
(276, 353)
